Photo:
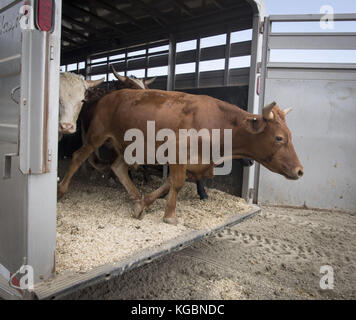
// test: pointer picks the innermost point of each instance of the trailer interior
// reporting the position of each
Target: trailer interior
(200, 47)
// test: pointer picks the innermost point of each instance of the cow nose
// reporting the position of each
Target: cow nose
(300, 172)
(66, 126)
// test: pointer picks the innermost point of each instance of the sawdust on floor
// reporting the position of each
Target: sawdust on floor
(95, 227)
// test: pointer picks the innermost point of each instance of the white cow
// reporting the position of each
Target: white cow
(72, 88)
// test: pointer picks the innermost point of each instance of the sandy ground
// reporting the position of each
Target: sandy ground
(276, 255)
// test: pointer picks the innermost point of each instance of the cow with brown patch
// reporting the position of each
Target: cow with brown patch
(92, 97)
(265, 138)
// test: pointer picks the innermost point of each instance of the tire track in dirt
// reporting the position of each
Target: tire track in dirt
(276, 255)
(278, 247)
(311, 224)
(197, 255)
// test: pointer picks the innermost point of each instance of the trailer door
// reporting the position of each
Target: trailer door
(29, 77)
(322, 95)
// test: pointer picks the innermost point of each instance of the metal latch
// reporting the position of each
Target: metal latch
(262, 26)
(7, 165)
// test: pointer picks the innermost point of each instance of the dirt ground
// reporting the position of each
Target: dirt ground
(276, 255)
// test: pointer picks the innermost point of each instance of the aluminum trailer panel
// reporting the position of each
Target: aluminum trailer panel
(323, 98)
(29, 64)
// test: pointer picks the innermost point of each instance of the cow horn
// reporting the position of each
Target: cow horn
(116, 74)
(267, 111)
(286, 111)
(94, 83)
(149, 81)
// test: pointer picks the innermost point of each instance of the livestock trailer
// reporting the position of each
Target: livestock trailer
(217, 47)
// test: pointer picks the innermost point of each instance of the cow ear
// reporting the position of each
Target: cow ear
(254, 125)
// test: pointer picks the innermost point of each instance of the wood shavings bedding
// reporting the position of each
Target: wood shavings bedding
(95, 227)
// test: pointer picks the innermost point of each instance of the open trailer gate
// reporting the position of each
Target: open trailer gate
(322, 93)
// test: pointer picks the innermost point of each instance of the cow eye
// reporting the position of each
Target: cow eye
(279, 138)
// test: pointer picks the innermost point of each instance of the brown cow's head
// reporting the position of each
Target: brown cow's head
(273, 146)
(131, 82)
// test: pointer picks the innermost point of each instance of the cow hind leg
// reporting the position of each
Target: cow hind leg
(121, 170)
(148, 199)
(177, 174)
(172, 185)
(201, 190)
(97, 163)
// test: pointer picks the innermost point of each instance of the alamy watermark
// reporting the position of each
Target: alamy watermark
(209, 140)
(327, 21)
(327, 280)
(23, 279)
(27, 17)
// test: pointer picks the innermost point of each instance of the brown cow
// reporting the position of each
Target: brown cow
(93, 95)
(265, 138)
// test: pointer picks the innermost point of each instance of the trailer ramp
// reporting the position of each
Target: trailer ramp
(65, 284)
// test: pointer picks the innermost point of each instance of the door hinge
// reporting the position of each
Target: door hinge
(51, 53)
(251, 193)
(49, 158)
(262, 26)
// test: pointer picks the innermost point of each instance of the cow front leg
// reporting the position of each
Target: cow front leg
(177, 174)
(201, 190)
(77, 160)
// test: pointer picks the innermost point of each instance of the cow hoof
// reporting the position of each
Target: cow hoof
(205, 197)
(173, 221)
(138, 211)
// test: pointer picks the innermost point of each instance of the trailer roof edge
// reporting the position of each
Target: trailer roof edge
(259, 7)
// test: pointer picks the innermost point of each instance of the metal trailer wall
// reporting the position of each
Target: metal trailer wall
(322, 123)
(29, 59)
